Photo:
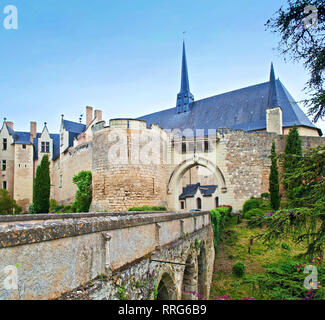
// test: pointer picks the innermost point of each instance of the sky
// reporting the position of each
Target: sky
(124, 57)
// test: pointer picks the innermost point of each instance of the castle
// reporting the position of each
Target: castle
(157, 159)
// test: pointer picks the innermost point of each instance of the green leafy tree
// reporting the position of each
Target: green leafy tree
(291, 161)
(301, 42)
(274, 180)
(304, 220)
(83, 180)
(42, 187)
(8, 206)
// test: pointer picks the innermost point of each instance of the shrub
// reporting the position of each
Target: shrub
(238, 269)
(257, 212)
(265, 195)
(31, 208)
(42, 186)
(253, 203)
(83, 199)
(285, 246)
(53, 205)
(147, 209)
(274, 185)
(8, 206)
(219, 217)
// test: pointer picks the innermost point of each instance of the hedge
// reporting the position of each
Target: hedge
(219, 218)
(148, 209)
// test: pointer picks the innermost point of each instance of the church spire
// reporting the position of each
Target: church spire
(185, 97)
(273, 96)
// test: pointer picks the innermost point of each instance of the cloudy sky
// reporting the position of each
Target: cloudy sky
(124, 57)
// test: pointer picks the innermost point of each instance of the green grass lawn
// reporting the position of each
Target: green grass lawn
(278, 262)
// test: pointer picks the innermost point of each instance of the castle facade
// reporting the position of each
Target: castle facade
(153, 159)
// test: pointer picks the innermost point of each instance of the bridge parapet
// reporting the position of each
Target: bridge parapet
(57, 254)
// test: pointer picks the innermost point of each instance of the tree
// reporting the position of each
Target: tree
(303, 41)
(83, 180)
(274, 180)
(8, 206)
(42, 187)
(291, 158)
(305, 218)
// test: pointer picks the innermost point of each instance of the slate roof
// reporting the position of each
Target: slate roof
(20, 137)
(190, 190)
(74, 127)
(243, 109)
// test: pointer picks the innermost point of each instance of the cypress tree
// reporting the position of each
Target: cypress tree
(292, 157)
(274, 180)
(42, 186)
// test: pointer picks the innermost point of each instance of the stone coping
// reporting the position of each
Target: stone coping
(60, 216)
(77, 224)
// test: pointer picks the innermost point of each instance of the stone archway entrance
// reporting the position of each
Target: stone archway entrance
(180, 170)
(166, 289)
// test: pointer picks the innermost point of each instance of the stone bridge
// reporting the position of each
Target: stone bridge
(97, 256)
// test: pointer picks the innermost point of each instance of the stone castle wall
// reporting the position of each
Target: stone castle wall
(127, 168)
(248, 164)
(65, 167)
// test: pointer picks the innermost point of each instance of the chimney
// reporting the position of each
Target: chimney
(89, 114)
(10, 124)
(33, 130)
(99, 115)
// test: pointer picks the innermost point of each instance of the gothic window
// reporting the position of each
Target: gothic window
(4, 144)
(4, 165)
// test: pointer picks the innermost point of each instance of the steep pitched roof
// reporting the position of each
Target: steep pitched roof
(74, 127)
(243, 109)
(190, 190)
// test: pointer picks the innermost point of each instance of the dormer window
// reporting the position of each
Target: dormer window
(24, 146)
(45, 147)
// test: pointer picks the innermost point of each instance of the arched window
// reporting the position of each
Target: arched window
(199, 203)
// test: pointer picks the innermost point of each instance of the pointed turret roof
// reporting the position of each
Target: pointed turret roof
(273, 95)
(185, 84)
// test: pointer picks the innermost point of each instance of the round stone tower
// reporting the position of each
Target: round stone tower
(129, 165)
